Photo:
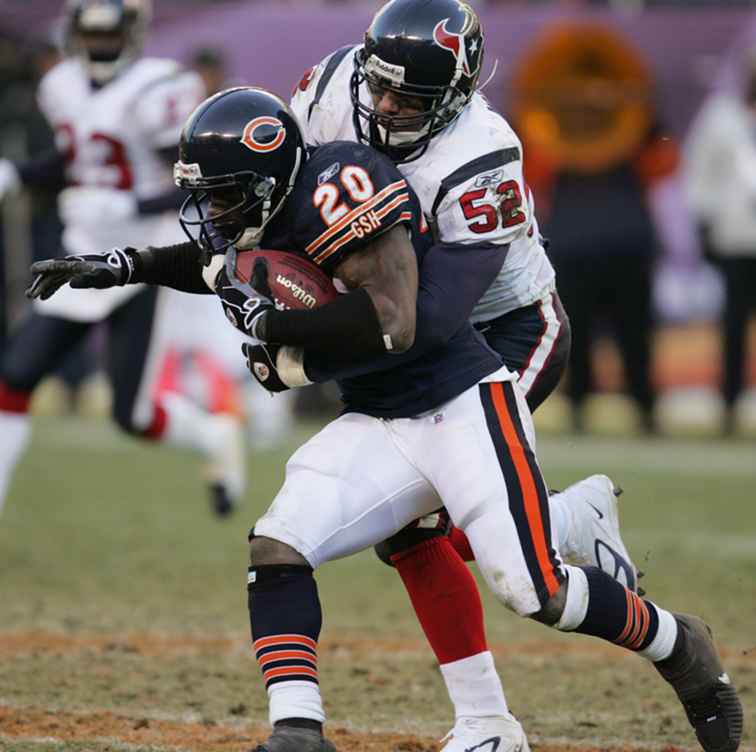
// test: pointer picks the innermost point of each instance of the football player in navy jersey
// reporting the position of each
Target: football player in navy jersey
(414, 374)
(411, 91)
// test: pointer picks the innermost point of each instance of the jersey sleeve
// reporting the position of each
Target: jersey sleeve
(349, 196)
(309, 92)
(164, 105)
(485, 200)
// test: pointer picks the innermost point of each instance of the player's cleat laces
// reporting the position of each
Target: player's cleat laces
(708, 696)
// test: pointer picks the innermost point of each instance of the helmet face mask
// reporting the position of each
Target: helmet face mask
(218, 210)
(108, 35)
(240, 153)
(429, 53)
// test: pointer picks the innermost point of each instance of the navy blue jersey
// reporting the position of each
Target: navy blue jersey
(346, 195)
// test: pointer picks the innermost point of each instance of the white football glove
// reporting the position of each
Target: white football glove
(10, 182)
(82, 205)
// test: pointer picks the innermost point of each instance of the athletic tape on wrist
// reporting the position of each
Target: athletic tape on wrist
(290, 366)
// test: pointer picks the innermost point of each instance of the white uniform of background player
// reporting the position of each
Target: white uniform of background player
(117, 125)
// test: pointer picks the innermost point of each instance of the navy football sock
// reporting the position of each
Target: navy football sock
(285, 619)
(616, 613)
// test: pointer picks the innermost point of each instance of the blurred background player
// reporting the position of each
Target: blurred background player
(593, 147)
(116, 117)
(720, 174)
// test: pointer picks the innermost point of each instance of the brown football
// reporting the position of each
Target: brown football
(295, 281)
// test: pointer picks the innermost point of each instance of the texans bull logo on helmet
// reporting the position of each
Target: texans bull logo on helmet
(256, 129)
(466, 55)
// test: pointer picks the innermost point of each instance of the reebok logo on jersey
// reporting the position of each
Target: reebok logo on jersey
(328, 173)
(489, 179)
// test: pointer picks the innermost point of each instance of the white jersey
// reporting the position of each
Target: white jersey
(719, 167)
(469, 181)
(111, 137)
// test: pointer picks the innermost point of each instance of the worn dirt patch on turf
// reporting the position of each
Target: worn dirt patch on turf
(62, 727)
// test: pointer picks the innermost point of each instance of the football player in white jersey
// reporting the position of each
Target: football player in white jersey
(117, 118)
(410, 91)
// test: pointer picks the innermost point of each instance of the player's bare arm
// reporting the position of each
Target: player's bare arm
(387, 270)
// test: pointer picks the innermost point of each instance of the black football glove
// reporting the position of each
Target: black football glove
(261, 361)
(245, 303)
(89, 270)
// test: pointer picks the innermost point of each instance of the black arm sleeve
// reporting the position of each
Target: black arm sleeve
(348, 325)
(453, 278)
(44, 171)
(177, 266)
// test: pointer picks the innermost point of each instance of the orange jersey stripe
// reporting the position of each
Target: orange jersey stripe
(398, 201)
(354, 214)
(380, 213)
(283, 655)
(343, 240)
(285, 639)
(528, 486)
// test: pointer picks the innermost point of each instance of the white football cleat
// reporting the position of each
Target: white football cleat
(594, 538)
(226, 468)
(496, 734)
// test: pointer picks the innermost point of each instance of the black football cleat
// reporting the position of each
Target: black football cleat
(708, 696)
(294, 739)
(220, 501)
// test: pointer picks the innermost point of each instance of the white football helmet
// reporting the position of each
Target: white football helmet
(107, 34)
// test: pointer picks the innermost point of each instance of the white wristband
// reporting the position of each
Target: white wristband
(290, 366)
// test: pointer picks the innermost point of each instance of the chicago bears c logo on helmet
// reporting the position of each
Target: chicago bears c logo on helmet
(454, 42)
(249, 138)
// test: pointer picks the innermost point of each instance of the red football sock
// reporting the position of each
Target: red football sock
(461, 545)
(445, 598)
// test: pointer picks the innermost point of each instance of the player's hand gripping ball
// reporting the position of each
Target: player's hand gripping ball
(292, 281)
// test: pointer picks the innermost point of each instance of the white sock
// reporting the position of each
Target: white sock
(576, 604)
(474, 687)
(15, 430)
(661, 646)
(295, 699)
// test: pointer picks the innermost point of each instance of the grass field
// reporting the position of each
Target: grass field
(123, 621)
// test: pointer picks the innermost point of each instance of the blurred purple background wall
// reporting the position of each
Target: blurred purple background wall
(273, 43)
